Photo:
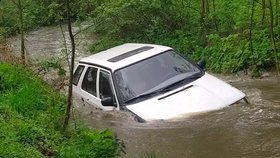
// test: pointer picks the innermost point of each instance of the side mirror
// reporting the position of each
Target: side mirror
(202, 64)
(108, 101)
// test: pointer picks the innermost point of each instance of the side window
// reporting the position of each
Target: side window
(89, 82)
(77, 74)
(105, 86)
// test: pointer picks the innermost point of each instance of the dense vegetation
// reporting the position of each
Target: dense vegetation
(217, 31)
(230, 35)
(31, 116)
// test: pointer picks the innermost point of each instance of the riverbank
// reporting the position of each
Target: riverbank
(31, 116)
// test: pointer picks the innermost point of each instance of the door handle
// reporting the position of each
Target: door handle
(87, 100)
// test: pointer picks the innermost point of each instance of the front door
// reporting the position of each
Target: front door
(105, 89)
(89, 88)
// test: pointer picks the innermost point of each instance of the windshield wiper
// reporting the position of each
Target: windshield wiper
(185, 80)
(164, 89)
(147, 94)
(141, 96)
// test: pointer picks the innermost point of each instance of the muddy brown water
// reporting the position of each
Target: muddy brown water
(47, 43)
(240, 130)
(237, 131)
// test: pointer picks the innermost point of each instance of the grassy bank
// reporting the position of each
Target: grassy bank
(31, 115)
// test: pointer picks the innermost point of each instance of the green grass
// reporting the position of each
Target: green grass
(31, 116)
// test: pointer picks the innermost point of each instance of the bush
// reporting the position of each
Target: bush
(155, 21)
(221, 37)
(232, 53)
(88, 144)
(38, 13)
(30, 121)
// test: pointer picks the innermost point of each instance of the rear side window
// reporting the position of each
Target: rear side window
(89, 82)
(77, 74)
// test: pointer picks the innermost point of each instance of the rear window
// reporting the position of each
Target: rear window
(78, 74)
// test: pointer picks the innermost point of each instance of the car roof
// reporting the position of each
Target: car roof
(123, 55)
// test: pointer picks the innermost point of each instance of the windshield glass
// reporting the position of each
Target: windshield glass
(152, 74)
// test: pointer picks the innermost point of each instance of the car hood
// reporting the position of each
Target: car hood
(204, 94)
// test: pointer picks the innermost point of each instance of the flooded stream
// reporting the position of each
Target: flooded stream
(47, 43)
(241, 130)
(238, 131)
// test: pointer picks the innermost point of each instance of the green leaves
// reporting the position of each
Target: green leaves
(98, 144)
(30, 119)
(231, 54)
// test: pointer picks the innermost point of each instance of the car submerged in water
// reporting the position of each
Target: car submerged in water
(153, 82)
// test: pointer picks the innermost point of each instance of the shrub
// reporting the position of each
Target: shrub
(232, 53)
(30, 121)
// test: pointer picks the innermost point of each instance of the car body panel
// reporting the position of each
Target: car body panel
(205, 94)
(102, 58)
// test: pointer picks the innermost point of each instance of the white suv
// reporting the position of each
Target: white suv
(151, 81)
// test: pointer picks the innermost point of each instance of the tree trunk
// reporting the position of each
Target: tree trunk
(21, 29)
(251, 26)
(202, 23)
(207, 9)
(202, 14)
(273, 39)
(73, 49)
(215, 17)
(189, 12)
(277, 12)
(263, 12)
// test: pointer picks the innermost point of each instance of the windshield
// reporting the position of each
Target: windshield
(152, 74)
